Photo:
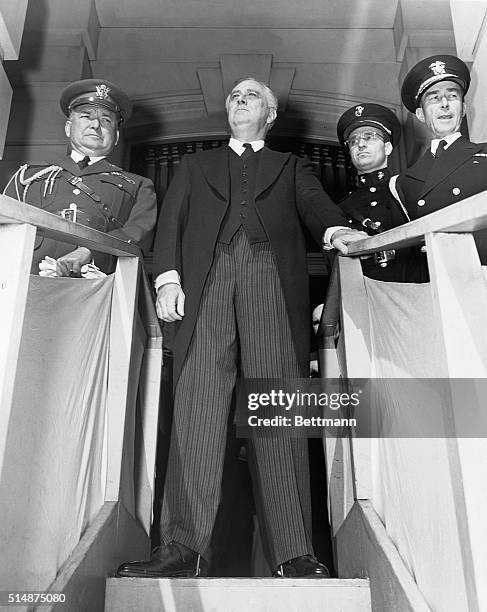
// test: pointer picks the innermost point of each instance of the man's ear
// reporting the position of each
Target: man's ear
(271, 117)
(116, 138)
(464, 112)
(388, 148)
(419, 114)
(67, 128)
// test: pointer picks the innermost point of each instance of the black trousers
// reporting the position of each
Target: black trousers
(242, 320)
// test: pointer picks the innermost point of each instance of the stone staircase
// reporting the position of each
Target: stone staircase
(237, 595)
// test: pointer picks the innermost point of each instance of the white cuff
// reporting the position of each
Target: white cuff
(327, 246)
(171, 276)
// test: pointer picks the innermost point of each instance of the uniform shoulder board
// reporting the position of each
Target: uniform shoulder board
(119, 173)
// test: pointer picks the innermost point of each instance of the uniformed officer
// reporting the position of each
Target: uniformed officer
(84, 186)
(452, 168)
(371, 131)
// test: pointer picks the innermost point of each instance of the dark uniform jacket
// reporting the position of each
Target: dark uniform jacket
(433, 183)
(106, 198)
(373, 201)
(287, 194)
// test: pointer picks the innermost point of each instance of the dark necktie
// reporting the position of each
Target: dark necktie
(83, 163)
(441, 149)
(248, 151)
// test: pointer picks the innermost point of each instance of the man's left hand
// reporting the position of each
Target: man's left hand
(341, 238)
(70, 264)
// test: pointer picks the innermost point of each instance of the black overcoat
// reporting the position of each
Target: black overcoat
(287, 196)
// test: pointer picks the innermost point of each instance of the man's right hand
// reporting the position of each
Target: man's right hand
(170, 302)
(70, 264)
(343, 237)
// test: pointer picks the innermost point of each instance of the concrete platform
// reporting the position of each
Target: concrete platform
(236, 595)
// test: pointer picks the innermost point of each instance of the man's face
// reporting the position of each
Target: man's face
(92, 130)
(248, 109)
(368, 150)
(442, 108)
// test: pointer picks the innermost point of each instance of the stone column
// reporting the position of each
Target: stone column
(12, 17)
(470, 26)
(58, 44)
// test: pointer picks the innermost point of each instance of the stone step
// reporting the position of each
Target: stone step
(236, 595)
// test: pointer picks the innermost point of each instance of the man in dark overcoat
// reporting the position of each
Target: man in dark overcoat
(230, 260)
(84, 186)
(452, 168)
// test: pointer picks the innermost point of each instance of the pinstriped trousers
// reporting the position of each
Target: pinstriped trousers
(242, 319)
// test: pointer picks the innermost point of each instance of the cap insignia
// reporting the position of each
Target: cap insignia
(102, 91)
(437, 67)
(359, 110)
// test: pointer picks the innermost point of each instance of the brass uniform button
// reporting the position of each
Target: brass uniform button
(374, 203)
(421, 202)
(456, 191)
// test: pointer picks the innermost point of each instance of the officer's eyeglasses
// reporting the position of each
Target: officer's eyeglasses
(354, 141)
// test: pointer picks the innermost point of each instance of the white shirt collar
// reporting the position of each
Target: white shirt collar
(450, 139)
(238, 147)
(76, 157)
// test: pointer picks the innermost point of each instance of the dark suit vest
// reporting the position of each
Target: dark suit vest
(242, 211)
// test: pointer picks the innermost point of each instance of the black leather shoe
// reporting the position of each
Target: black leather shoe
(171, 561)
(306, 566)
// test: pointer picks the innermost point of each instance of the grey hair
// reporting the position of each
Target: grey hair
(269, 94)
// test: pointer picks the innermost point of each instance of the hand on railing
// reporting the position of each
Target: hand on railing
(341, 238)
(47, 268)
(70, 264)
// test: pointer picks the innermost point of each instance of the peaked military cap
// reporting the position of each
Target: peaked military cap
(429, 71)
(96, 92)
(375, 115)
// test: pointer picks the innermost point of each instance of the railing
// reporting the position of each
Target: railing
(80, 364)
(409, 511)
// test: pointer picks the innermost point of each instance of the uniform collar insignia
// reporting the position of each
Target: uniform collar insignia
(374, 178)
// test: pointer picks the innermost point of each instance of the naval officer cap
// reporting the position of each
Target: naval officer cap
(429, 71)
(96, 92)
(373, 115)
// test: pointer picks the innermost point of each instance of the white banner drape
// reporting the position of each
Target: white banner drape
(414, 478)
(53, 479)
